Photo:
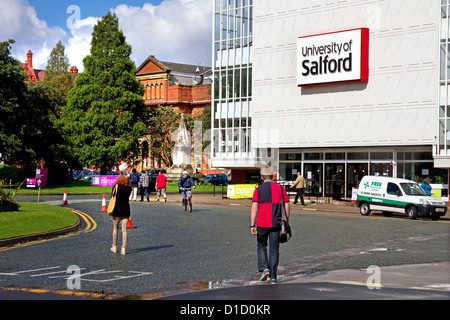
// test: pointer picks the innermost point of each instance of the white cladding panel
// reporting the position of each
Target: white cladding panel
(396, 107)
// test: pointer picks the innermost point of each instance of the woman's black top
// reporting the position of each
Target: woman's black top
(122, 208)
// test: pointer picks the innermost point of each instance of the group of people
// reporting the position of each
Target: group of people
(143, 183)
(127, 191)
(265, 218)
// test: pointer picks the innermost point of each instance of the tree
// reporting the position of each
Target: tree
(12, 100)
(57, 83)
(27, 133)
(58, 79)
(104, 116)
(164, 120)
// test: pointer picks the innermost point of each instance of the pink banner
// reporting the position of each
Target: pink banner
(104, 181)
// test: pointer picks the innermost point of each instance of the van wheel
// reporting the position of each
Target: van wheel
(364, 209)
(412, 212)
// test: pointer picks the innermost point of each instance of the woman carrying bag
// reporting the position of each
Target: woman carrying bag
(121, 212)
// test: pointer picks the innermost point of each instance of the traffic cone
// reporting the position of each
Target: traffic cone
(130, 224)
(104, 204)
(65, 197)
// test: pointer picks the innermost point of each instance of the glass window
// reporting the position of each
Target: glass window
(381, 155)
(335, 156)
(358, 156)
(413, 189)
(291, 156)
(392, 188)
(313, 156)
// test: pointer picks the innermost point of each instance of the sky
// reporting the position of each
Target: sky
(172, 30)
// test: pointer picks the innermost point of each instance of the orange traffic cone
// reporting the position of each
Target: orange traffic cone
(65, 198)
(130, 224)
(104, 204)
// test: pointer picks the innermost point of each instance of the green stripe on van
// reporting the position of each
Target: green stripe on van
(382, 201)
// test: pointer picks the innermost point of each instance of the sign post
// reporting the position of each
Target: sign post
(41, 180)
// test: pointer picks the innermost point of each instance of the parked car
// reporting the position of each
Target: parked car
(77, 175)
(88, 177)
(217, 178)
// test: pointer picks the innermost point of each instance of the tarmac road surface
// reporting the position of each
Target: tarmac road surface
(210, 254)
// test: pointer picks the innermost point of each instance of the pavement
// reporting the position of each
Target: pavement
(430, 281)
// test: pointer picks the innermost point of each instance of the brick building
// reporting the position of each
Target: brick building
(185, 87)
(39, 74)
(182, 86)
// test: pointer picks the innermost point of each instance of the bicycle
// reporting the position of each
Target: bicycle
(187, 201)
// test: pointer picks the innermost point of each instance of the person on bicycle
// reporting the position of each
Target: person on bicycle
(185, 182)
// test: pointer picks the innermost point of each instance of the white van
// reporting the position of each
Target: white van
(397, 195)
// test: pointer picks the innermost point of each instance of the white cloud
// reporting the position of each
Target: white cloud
(175, 31)
(19, 21)
(79, 43)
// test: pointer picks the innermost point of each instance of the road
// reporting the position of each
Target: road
(172, 252)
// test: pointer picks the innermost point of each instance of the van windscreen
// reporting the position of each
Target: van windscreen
(413, 189)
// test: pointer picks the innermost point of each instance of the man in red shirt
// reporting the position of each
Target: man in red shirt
(266, 223)
(161, 185)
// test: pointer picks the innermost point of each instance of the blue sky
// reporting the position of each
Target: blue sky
(171, 30)
(54, 12)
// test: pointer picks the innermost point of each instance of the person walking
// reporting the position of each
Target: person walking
(134, 179)
(144, 185)
(121, 213)
(265, 223)
(299, 186)
(161, 181)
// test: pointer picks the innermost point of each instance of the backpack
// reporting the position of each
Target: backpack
(133, 178)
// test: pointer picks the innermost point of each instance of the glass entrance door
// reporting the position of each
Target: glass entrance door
(314, 178)
(334, 177)
(355, 172)
(381, 169)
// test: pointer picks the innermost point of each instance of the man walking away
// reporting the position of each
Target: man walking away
(299, 185)
(265, 223)
(144, 185)
(134, 179)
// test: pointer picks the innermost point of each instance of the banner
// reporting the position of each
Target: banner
(241, 191)
(104, 181)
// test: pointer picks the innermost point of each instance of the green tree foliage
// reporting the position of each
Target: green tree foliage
(104, 116)
(58, 80)
(163, 122)
(57, 83)
(12, 101)
(27, 134)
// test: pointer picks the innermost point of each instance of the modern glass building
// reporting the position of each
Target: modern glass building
(232, 91)
(443, 148)
(279, 91)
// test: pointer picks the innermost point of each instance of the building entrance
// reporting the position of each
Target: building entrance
(314, 178)
(334, 179)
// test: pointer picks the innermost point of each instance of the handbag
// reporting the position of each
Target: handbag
(285, 227)
(112, 201)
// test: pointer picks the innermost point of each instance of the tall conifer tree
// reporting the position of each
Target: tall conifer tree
(105, 110)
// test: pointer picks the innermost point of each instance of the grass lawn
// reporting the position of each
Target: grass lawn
(34, 218)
